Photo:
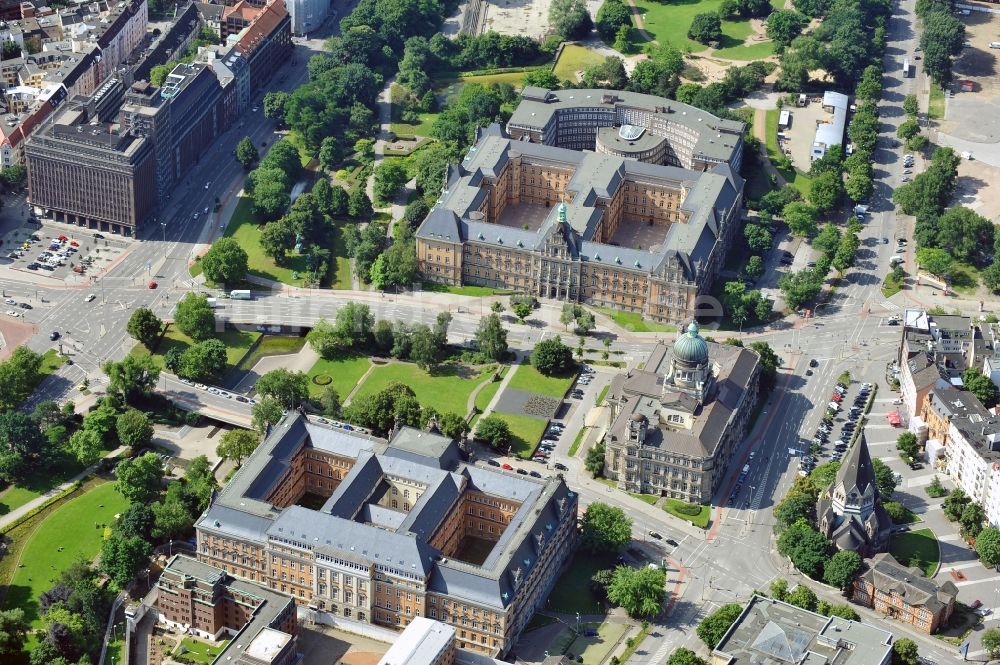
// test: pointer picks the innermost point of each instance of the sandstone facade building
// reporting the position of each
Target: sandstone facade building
(581, 227)
(674, 427)
(404, 529)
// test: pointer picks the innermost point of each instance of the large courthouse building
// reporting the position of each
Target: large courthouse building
(403, 529)
(575, 202)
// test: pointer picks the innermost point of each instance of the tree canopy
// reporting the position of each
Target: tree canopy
(605, 528)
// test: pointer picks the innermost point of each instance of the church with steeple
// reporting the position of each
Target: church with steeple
(849, 511)
(676, 424)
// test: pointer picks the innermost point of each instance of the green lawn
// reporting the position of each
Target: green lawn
(935, 105)
(38, 483)
(668, 22)
(485, 396)
(201, 652)
(340, 277)
(75, 530)
(793, 177)
(526, 432)
(633, 321)
(596, 649)
(345, 370)
(891, 286)
(602, 395)
(51, 361)
(529, 379)
(423, 128)
(238, 343)
(245, 227)
(571, 592)
(916, 548)
(575, 59)
(272, 345)
(577, 441)
(447, 389)
(700, 520)
(296, 140)
(964, 278)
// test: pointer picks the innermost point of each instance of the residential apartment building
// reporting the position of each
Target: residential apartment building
(968, 434)
(932, 348)
(770, 631)
(904, 594)
(581, 227)
(674, 426)
(629, 125)
(203, 600)
(406, 530)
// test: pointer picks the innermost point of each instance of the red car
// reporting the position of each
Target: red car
(506, 467)
(73, 243)
(152, 285)
(836, 397)
(63, 238)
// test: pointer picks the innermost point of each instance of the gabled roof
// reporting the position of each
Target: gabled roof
(889, 576)
(856, 473)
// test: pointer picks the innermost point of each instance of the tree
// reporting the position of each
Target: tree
(13, 632)
(907, 444)
(542, 78)
(203, 361)
(358, 204)
(121, 558)
(171, 516)
(389, 178)
(569, 19)
(955, 504)
(22, 447)
(288, 387)
(594, 462)
(138, 480)
(825, 191)
(785, 25)
(802, 596)
(840, 570)
(266, 413)
(758, 238)
(972, 519)
(605, 528)
(491, 338)
(236, 445)
(130, 377)
(943, 38)
(134, 429)
(521, 310)
(779, 589)
(904, 652)
(274, 105)
(195, 317)
(991, 642)
(136, 520)
(910, 105)
(908, 129)
(144, 326)
(800, 287)
(806, 547)
(713, 627)
(965, 234)
(277, 238)
(225, 261)
(246, 152)
(705, 28)
(885, 479)
(684, 656)
(754, 267)
(18, 377)
(793, 507)
(769, 360)
(329, 402)
(87, 446)
(988, 546)
(551, 357)
(860, 185)
(981, 386)
(494, 431)
(612, 15)
(801, 218)
(639, 591)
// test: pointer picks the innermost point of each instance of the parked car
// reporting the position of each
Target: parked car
(560, 466)
(506, 467)
(493, 462)
(653, 534)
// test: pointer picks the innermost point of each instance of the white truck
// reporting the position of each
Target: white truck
(241, 294)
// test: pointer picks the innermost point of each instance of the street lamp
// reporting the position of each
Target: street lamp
(163, 225)
(577, 622)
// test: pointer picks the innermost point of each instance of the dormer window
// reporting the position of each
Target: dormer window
(675, 418)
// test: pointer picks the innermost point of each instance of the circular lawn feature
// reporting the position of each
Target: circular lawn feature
(322, 379)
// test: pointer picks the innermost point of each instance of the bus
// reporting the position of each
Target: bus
(241, 295)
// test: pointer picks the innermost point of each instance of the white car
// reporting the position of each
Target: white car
(12, 313)
(10, 301)
(89, 298)
(207, 184)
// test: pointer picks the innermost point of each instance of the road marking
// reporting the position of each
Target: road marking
(966, 583)
(950, 537)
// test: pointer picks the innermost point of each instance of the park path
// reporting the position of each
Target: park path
(17, 513)
(637, 15)
(302, 361)
(361, 382)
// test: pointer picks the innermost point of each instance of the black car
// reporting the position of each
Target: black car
(561, 466)
(24, 305)
(522, 472)
(54, 335)
(493, 462)
(32, 266)
(98, 236)
(813, 362)
(653, 534)
(534, 474)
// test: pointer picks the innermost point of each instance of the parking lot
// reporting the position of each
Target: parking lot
(974, 115)
(800, 134)
(62, 253)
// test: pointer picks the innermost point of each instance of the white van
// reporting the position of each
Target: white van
(894, 259)
(994, 44)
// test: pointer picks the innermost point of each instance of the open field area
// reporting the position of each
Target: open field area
(74, 530)
(916, 548)
(238, 343)
(345, 371)
(573, 60)
(668, 22)
(447, 389)
(526, 432)
(38, 484)
(529, 379)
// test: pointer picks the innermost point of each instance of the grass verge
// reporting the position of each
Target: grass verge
(935, 105)
(916, 548)
(678, 509)
(238, 343)
(577, 441)
(271, 345)
(634, 322)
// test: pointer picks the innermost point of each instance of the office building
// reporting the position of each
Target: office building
(203, 600)
(581, 227)
(770, 631)
(849, 510)
(90, 173)
(904, 594)
(675, 426)
(405, 529)
(629, 125)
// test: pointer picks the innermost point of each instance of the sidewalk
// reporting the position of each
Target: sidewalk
(17, 513)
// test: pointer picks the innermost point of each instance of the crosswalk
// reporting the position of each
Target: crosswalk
(889, 305)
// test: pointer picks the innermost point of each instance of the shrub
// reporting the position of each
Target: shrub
(322, 379)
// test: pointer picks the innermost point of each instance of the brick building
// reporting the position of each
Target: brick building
(904, 594)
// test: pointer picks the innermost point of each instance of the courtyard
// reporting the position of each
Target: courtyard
(637, 234)
(527, 216)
